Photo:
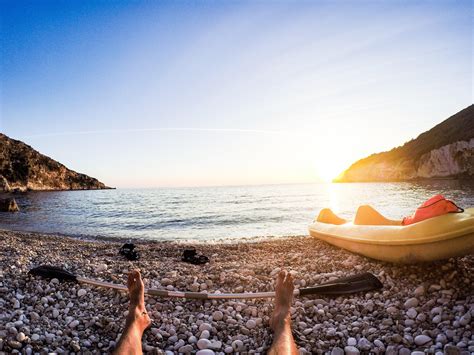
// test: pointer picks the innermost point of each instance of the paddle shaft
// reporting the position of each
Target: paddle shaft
(341, 286)
(323, 289)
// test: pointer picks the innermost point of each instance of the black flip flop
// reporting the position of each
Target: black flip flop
(128, 251)
(190, 256)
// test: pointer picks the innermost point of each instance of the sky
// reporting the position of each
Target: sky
(204, 93)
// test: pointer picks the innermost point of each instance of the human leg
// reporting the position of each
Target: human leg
(367, 215)
(137, 320)
(328, 216)
(283, 342)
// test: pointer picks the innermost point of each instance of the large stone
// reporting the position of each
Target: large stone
(4, 186)
(8, 205)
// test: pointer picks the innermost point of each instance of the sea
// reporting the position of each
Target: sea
(217, 214)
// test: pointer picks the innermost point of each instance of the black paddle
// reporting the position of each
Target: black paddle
(342, 286)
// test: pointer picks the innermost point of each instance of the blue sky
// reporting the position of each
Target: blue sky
(216, 93)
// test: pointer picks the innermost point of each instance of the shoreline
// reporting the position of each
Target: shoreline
(426, 307)
(181, 242)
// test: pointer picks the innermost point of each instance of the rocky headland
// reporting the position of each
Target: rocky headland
(445, 151)
(425, 308)
(23, 168)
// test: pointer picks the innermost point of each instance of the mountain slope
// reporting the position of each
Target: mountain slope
(23, 168)
(445, 151)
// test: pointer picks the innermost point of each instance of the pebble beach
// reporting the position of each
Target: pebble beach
(425, 308)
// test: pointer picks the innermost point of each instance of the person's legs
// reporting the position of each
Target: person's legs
(328, 216)
(366, 215)
(137, 320)
(283, 342)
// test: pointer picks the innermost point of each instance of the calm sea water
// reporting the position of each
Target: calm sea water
(215, 213)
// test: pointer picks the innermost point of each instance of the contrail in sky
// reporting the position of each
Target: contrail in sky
(160, 129)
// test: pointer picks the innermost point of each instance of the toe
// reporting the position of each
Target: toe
(281, 277)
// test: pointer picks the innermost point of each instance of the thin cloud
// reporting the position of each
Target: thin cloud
(159, 129)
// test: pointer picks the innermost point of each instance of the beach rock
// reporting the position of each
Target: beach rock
(465, 319)
(217, 315)
(82, 292)
(215, 345)
(205, 352)
(351, 350)
(8, 205)
(351, 341)
(419, 291)
(422, 340)
(203, 343)
(238, 345)
(379, 344)
(73, 324)
(186, 349)
(21, 337)
(411, 302)
(364, 344)
(337, 351)
(452, 350)
(205, 326)
(4, 186)
(251, 324)
(194, 287)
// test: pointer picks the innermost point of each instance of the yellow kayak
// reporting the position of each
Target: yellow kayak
(436, 238)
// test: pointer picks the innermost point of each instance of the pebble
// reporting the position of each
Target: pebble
(422, 340)
(337, 351)
(411, 313)
(73, 324)
(411, 302)
(205, 352)
(59, 317)
(351, 350)
(205, 334)
(186, 349)
(205, 326)
(203, 343)
(351, 341)
(237, 345)
(419, 291)
(251, 324)
(217, 315)
(21, 337)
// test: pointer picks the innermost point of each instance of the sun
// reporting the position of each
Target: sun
(328, 170)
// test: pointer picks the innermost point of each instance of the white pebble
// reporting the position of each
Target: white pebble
(251, 324)
(81, 292)
(205, 326)
(205, 352)
(203, 343)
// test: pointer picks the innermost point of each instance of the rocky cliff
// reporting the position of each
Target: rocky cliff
(23, 168)
(445, 151)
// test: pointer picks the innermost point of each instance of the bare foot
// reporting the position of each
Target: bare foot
(284, 296)
(137, 314)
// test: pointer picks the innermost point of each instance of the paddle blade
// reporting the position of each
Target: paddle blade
(53, 272)
(345, 285)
